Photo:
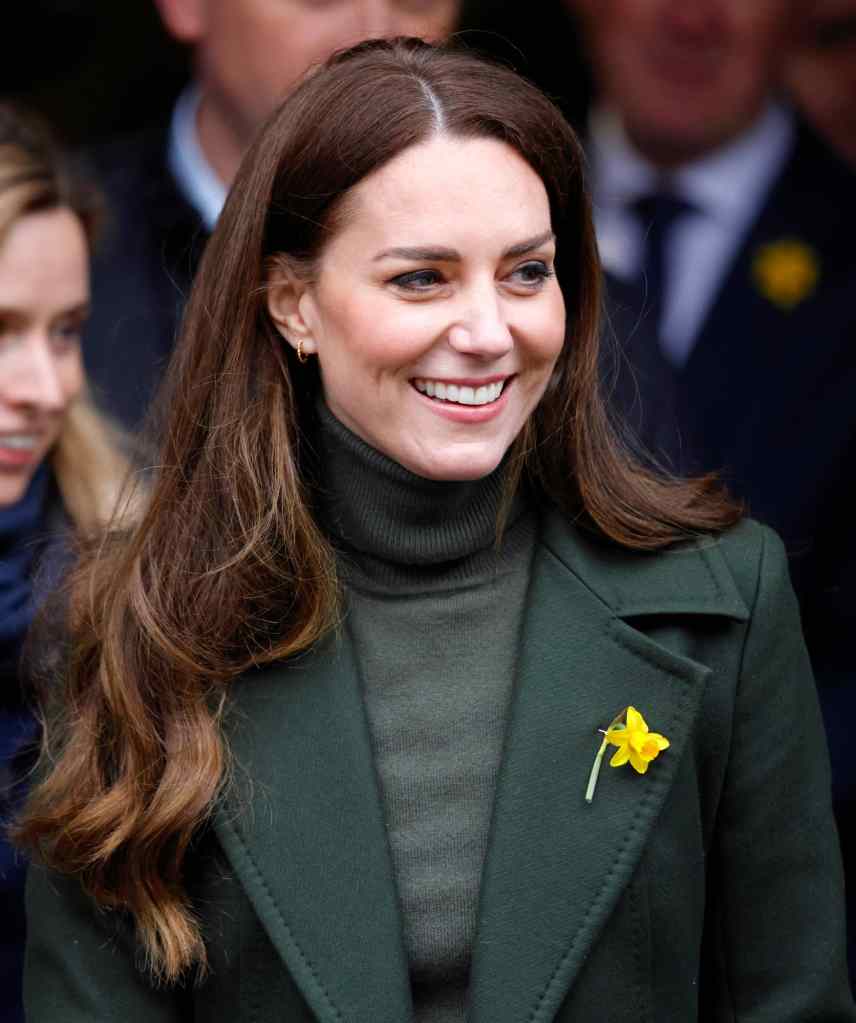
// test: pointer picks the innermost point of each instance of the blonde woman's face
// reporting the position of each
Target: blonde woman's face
(44, 297)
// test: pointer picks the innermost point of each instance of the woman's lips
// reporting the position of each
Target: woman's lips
(19, 449)
(483, 399)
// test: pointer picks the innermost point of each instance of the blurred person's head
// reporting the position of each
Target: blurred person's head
(48, 216)
(685, 76)
(249, 54)
(820, 71)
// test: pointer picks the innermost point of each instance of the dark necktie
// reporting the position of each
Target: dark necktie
(657, 214)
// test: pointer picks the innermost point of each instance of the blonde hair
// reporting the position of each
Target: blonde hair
(90, 467)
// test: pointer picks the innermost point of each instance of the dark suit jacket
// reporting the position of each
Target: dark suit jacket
(766, 396)
(767, 399)
(707, 889)
(639, 383)
(142, 271)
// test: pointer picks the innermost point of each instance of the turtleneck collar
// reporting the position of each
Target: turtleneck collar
(374, 507)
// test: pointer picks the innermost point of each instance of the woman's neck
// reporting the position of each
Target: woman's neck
(373, 506)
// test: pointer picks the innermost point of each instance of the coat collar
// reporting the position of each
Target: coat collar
(310, 848)
(689, 579)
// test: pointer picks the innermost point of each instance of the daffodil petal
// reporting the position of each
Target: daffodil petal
(638, 763)
(635, 721)
(621, 756)
(618, 737)
(661, 740)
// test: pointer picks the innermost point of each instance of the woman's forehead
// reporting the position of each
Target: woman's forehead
(448, 188)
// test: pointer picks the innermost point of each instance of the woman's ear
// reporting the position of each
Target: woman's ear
(289, 306)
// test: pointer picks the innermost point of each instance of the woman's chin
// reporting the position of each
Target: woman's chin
(13, 486)
(459, 467)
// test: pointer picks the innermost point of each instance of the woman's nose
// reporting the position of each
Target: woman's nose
(34, 380)
(484, 330)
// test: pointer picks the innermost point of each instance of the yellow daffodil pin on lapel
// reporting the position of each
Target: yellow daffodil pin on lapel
(637, 746)
(786, 272)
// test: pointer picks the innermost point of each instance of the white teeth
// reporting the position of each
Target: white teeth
(460, 394)
(21, 442)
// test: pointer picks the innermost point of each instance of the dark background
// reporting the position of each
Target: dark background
(97, 68)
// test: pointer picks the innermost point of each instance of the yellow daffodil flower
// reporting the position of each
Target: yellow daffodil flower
(637, 745)
(786, 272)
(635, 742)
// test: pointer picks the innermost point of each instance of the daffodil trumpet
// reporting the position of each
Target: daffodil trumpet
(637, 745)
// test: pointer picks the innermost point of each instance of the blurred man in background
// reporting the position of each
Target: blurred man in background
(738, 222)
(820, 72)
(165, 188)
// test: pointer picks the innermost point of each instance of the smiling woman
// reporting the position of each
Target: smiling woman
(44, 293)
(328, 729)
(424, 306)
(57, 461)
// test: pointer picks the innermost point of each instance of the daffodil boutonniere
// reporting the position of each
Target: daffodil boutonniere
(637, 745)
(786, 272)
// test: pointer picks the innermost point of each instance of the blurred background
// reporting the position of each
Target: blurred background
(97, 68)
(94, 68)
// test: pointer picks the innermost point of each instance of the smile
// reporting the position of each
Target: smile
(19, 441)
(461, 394)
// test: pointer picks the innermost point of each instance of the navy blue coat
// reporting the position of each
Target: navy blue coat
(19, 734)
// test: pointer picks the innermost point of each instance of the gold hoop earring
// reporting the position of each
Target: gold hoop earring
(301, 355)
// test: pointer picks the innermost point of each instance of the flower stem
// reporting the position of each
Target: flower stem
(595, 771)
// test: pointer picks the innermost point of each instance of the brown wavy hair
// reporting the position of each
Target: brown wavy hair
(228, 568)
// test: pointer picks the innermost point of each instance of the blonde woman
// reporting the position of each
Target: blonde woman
(59, 463)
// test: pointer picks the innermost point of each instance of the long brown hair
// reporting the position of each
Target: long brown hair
(229, 568)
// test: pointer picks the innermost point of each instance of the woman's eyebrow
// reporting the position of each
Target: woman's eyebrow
(418, 253)
(440, 254)
(531, 243)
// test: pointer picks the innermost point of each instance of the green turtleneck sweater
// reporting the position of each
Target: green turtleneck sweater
(435, 611)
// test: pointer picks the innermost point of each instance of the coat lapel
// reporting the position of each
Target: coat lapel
(556, 865)
(308, 841)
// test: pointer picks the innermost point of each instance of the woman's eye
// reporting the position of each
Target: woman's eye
(418, 280)
(533, 273)
(66, 335)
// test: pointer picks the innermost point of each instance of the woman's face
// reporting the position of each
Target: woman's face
(435, 313)
(44, 295)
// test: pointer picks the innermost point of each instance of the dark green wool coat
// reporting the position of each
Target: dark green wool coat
(707, 889)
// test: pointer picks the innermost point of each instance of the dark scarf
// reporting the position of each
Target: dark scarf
(20, 528)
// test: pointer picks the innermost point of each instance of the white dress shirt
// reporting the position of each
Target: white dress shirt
(727, 190)
(194, 175)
